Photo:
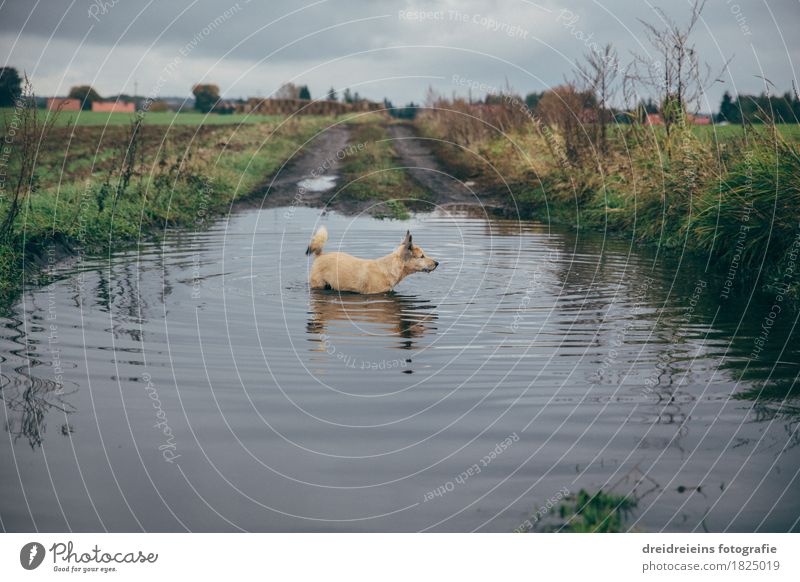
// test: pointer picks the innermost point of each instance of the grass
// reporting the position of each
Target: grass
(99, 118)
(760, 193)
(689, 191)
(94, 188)
(374, 174)
(790, 131)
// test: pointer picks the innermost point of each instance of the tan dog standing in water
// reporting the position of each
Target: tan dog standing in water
(344, 272)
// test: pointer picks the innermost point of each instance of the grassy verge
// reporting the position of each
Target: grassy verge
(733, 194)
(373, 174)
(98, 188)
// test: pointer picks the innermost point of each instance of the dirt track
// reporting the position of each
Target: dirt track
(320, 154)
(426, 170)
(414, 154)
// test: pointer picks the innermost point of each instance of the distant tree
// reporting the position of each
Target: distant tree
(331, 94)
(563, 103)
(781, 109)
(357, 97)
(532, 99)
(763, 108)
(672, 70)
(10, 86)
(597, 74)
(649, 106)
(288, 91)
(304, 93)
(85, 94)
(205, 97)
(407, 112)
(796, 105)
(727, 110)
(347, 97)
(159, 105)
(565, 108)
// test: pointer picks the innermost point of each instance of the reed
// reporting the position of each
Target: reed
(687, 190)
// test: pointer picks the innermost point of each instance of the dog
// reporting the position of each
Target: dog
(343, 272)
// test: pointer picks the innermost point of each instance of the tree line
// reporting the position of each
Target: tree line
(206, 95)
(759, 108)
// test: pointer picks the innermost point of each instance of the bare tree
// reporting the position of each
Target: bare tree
(598, 74)
(565, 108)
(288, 91)
(676, 76)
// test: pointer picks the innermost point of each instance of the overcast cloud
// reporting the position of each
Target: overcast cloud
(375, 47)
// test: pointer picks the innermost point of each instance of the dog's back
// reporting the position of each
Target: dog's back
(345, 272)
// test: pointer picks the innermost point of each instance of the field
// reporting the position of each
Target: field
(790, 131)
(98, 118)
(723, 133)
(96, 187)
(99, 181)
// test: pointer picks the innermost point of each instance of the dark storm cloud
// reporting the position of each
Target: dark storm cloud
(383, 48)
(268, 25)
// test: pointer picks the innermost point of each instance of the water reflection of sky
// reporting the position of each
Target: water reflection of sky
(292, 410)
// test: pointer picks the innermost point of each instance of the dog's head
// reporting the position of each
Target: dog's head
(414, 258)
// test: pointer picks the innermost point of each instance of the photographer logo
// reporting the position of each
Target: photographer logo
(31, 555)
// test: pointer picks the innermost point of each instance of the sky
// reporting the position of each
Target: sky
(380, 48)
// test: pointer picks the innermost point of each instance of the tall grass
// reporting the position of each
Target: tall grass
(701, 197)
(758, 199)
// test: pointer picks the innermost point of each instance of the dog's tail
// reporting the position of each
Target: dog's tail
(317, 241)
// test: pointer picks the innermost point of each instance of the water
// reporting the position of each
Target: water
(318, 184)
(197, 384)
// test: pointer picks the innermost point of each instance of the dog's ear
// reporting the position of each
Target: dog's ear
(407, 244)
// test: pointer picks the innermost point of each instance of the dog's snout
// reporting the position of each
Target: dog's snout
(435, 263)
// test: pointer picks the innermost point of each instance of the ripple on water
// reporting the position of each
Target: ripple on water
(338, 406)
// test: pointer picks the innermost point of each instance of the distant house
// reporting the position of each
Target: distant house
(700, 119)
(64, 104)
(113, 107)
(656, 119)
(653, 119)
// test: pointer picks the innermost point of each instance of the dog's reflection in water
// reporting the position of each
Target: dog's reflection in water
(383, 318)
